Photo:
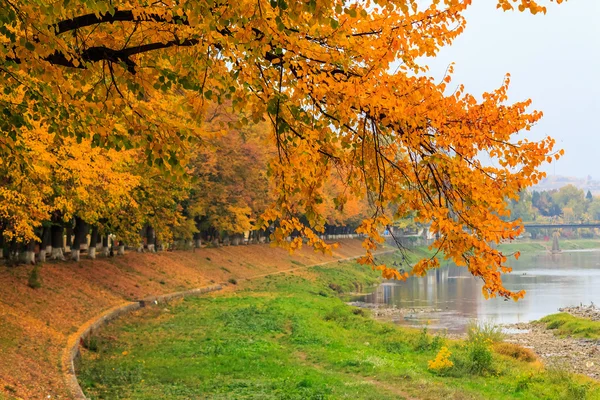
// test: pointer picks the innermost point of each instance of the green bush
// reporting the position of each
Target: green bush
(423, 340)
(476, 357)
(480, 358)
(427, 342)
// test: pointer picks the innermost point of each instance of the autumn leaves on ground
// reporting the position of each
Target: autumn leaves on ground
(35, 324)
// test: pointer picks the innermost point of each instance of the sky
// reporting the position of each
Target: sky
(553, 59)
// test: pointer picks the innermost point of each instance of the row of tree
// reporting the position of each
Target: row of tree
(567, 204)
(69, 193)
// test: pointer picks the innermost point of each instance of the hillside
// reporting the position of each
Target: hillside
(35, 324)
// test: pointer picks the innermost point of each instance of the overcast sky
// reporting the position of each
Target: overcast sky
(554, 59)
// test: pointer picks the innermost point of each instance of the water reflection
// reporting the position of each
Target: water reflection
(551, 282)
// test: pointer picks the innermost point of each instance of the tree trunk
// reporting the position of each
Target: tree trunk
(80, 235)
(121, 248)
(1, 245)
(11, 252)
(45, 244)
(57, 242)
(93, 242)
(197, 240)
(105, 248)
(150, 239)
(29, 253)
(69, 234)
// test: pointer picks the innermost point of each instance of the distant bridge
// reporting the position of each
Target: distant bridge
(574, 226)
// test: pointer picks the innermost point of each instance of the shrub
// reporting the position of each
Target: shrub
(515, 351)
(486, 330)
(423, 340)
(442, 363)
(427, 342)
(34, 281)
(479, 357)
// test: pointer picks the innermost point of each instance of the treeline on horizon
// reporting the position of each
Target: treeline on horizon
(71, 194)
(568, 204)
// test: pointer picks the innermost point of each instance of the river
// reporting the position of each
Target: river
(550, 280)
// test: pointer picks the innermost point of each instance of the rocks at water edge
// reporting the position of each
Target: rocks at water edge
(583, 311)
(390, 311)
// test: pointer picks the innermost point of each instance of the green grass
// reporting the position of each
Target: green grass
(565, 324)
(290, 337)
(537, 246)
(524, 247)
(578, 244)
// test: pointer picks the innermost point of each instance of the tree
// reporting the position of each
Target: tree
(523, 207)
(572, 199)
(230, 184)
(594, 209)
(129, 74)
(589, 196)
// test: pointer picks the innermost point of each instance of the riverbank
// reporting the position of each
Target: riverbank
(291, 336)
(35, 323)
(531, 246)
(569, 339)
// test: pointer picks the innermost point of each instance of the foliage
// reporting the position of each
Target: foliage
(426, 342)
(442, 362)
(479, 359)
(568, 204)
(230, 186)
(134, 76)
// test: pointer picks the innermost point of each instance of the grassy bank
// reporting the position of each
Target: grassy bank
(291, 337)
(35, 323)
(565, 324)
(537, 246)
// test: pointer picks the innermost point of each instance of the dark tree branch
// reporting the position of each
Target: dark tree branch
(101, 53)
(119, 15)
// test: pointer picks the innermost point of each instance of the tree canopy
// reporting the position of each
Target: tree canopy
(342, 85)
